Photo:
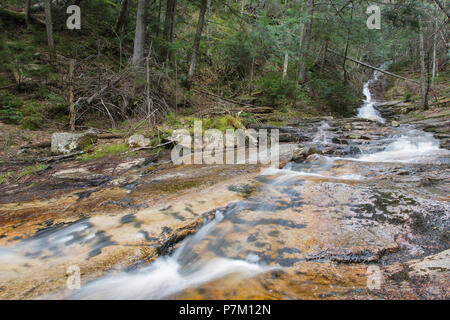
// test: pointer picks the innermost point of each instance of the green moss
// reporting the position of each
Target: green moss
(419, 117)
(103, 151)
(276, 123)
(4, 177)
(31, 170)
(176, 186)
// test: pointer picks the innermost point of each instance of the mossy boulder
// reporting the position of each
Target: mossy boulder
(67, 142)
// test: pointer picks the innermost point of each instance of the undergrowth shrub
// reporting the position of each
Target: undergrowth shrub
(9, 109)
(336, 96)
(33, 116)
(278, 92)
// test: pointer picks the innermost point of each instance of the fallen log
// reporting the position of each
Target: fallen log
(18, 16)
(227, 99)
(372, 67)
(149, 148)
(45, 144)
(256, 110)
(110, 136)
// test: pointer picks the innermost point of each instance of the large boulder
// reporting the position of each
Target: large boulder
(67, 142)
(138, 141)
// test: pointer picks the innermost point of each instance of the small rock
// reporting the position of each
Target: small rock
(352, 150)
(395, 124)
(313, 150)
(347, 127)
(354, 136)
(138, 141)
(299, 156)
(316, 158)
(67, 142)
(339, 141)
(287, 137)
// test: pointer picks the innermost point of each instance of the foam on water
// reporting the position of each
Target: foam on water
(323, 135)
(413, 146)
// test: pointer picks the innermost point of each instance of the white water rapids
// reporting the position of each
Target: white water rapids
(367, 110)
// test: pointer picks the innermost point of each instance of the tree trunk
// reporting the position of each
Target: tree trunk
(434, 68)
(423, 91)
(208, 15)
(198, 34)
(304, 44)
(49, 28)
(71, 105)
(285, 66)
(159, 18)
(122, 20)
(139, 35)
(169, 21)
(28, 12)
(345, 79)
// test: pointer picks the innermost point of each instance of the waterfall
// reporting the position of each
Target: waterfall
(367, 110)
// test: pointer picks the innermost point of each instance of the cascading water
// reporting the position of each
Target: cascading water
(367, 110)
(172, 274)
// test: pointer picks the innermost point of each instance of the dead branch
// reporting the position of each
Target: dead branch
(226, 99)
(372, 67)
(149, 148)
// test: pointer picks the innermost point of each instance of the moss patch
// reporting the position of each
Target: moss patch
(103, 151)
(14, 175)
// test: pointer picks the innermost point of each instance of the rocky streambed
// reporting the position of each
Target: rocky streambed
(357, 209)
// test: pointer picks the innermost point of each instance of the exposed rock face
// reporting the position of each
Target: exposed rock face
(67, 142)
(325, 222)
(138, 140)
(394, 108)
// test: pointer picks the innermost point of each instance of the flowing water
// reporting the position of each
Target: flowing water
(367, 111)
(280, 241)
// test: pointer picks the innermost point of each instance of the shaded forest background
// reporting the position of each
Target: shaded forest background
(145, 63)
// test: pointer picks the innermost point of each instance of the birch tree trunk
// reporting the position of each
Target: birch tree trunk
(49, 27)
(435, 31)
(285, 66)
(139, 35)
(198, 34)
